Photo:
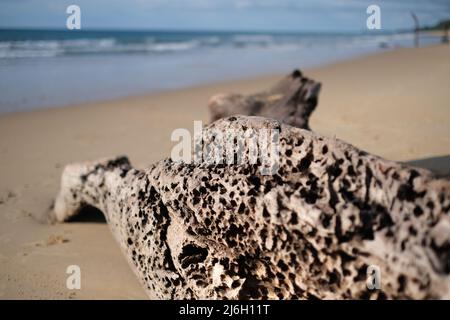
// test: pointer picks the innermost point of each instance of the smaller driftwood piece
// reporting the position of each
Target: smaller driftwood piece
(291, 101)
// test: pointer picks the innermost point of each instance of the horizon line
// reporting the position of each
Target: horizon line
(107, 29)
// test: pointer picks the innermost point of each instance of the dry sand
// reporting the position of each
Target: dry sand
(395, 104)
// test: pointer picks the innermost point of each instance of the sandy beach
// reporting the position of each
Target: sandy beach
(395, 104)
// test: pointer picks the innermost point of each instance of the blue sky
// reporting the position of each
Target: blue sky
(258, 15)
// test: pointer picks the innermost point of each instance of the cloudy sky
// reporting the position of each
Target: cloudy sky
(258, 15)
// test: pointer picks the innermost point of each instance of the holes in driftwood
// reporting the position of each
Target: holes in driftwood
(89, 214)
(192, 254)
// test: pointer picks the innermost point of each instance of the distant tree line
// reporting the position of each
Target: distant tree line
(441, 25)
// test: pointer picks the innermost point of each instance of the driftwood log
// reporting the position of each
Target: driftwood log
(311, 230)
(291, 101)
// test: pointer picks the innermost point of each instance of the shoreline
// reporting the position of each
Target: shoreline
(234, 82)
(74, 80)
(148, 95)
(393, 104)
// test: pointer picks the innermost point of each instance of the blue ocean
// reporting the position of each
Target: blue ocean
(47, 68)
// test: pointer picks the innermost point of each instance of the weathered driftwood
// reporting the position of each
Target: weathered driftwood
(309, 231)
(291, 101)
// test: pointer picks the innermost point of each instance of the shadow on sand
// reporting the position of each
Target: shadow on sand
(439, 165)
(89, 214)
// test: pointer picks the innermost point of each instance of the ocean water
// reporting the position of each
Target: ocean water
(46, 68)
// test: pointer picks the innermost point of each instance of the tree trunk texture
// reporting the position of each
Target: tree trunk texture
(331, 214)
